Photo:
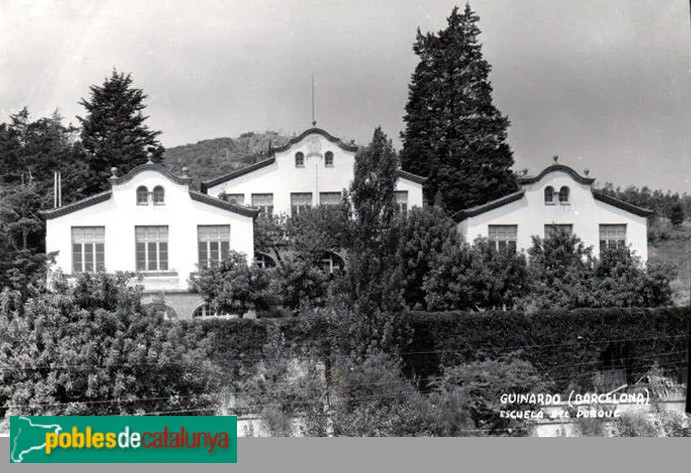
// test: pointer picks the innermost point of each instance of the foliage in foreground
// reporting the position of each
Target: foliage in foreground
(90, 348)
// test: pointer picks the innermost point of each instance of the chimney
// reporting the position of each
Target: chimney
(57, 189)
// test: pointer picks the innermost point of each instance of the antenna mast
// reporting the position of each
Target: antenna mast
(314, 122)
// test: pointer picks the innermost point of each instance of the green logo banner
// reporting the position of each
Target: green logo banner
(123, 439)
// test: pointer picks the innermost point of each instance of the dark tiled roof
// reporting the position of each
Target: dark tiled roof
(318, 131)
(151, 167)
(256, 166)
(640, 211)
(411, 177)
(554, 168)
(73, 207)
(240, 172)
(222, 204)
(480, 209)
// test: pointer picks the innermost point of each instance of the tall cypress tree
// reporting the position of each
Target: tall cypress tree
(454, 134)
(113, 131)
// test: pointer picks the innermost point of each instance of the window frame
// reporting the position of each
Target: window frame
(264, 208)
(500, 244)
(159, 191)
(620, 242)
(564, 195)
(162, 265)
(558, 226)
(221, 252)
(328, 195)
(402, 206)
(142, 191)
(299, 159)
(300, 207)
(549, 201)
(94, 242)
(329, 159)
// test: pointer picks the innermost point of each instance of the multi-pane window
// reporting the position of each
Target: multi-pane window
(264, 202)
(214, 244)
(152, 248)
(300, 201)
(558, 229)
(330, 262)
(88, 249)
(234, 198)
(503, 236)
(159, 195)
(142, 195)
(549, 195)
(612, 236)
(264, 261)
(564, 195)
(402, 200)
(329, 159)
(329, 198)
(299, 159)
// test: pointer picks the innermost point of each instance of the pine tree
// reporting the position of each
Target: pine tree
(676, 214)
(454, 134)
(113, 131)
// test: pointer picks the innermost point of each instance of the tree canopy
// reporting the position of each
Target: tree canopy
(454, 134)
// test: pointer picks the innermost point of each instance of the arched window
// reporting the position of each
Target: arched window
(331, 262)
(329, 159)
(264, 261)
(564, 194)
(205, 310)
(159, 195)
(299, 159)
(142, 195)
(549, 195)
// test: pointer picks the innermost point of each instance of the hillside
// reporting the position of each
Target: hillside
(211, 158)
(667, 244)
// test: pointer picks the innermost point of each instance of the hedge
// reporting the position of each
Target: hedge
(569, 347)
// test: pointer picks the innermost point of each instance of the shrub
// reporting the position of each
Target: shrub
(90, 349)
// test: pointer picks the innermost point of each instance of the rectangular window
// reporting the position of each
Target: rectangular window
(503, 236)
(558, 229)
(299, 202)
(214, 244)
(329, 198)
(152, 248)
(88, 245)
(402, 200)
(264, 202)
(612, 236)
(234, 198)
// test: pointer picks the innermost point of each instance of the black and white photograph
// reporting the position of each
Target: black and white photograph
(348, 218)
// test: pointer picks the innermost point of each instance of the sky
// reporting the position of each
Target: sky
(603, 84)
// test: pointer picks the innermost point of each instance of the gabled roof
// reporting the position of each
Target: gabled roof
(333, 139)
(555, 168)
(491, 205)
(73, 207)
(151, 167)
(634, 209)
(240, 172)
(194, 195)
(507, 199)
(411, 177)
(266, 162)
(222, 204)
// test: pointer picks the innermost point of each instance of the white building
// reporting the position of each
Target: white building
(311, 169)
(150, 223)
(557, 199)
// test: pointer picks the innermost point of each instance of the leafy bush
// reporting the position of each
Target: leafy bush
(90, 349)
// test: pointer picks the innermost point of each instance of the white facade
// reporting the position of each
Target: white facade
(325, 168)
(102, 230)
(587, 213)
